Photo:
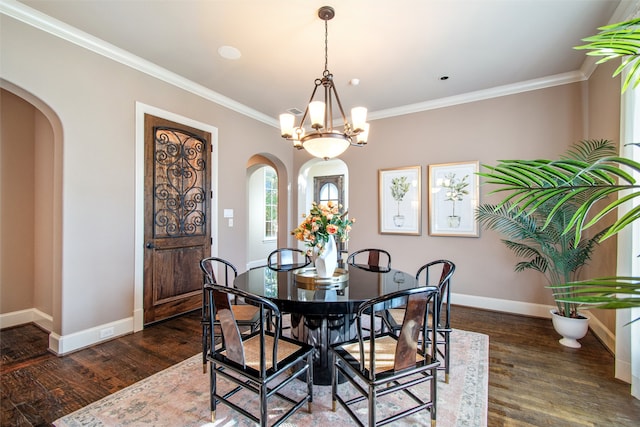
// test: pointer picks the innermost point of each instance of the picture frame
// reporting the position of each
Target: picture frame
(399, 200)
(453, 199)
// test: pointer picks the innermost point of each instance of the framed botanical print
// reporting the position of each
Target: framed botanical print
(399, 200)
(453, 199)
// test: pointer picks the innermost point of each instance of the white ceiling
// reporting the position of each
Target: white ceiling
(397, 49)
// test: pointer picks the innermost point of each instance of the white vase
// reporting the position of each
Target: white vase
(327, 262)
(571, 329)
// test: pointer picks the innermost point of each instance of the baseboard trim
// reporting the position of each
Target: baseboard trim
(607, 337)
(507, 306)
(30, 315)
(65, 344)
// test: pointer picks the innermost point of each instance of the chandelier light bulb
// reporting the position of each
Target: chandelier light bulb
(358, 118)
(316, 114)
(286, 125)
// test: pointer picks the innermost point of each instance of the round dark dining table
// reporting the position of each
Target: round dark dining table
(323, 314)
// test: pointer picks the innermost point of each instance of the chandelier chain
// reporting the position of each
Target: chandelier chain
(326, 45)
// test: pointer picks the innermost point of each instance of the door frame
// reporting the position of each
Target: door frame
(141, 110)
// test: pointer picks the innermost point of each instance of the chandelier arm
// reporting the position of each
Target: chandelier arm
(344, 116)
(328, 111)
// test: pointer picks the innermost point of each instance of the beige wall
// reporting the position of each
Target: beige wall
(95, 98)
(17, 207)
(604, 123)
(27, 207)
(43, 228)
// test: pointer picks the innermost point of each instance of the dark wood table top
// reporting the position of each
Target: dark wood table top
(296, 297)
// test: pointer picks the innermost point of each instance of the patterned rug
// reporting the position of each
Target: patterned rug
(179, 396)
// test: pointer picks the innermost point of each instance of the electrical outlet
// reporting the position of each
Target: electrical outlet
(106, 332)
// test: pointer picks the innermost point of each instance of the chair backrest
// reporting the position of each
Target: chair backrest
(233, 349)
(218, 270)
(285, 259)
(417, 302)
(371, 258)
(438, 273)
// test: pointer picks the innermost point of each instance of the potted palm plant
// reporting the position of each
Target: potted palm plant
(540, 236)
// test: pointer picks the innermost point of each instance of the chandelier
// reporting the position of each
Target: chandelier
(322, 140)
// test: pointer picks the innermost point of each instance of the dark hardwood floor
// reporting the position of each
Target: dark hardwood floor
(533, 380)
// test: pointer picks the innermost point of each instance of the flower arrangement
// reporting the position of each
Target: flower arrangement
(321, 222)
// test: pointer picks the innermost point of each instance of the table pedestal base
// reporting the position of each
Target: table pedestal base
(321, 331)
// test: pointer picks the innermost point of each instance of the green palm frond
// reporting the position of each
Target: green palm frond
(594, 177)
(620, 40)
(506, 221)
(538, 264)
(590, 151)
(604, 293)
(522, 250)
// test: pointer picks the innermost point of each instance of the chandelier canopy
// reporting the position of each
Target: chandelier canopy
(322, 140)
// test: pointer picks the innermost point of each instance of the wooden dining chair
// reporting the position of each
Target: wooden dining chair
(435, 273)
(370, 259)
(381, 364)
(222, 272)
(287, 259)
(262, 362)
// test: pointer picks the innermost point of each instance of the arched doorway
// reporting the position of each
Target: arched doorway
(320, 180)
(268, 202)
(31, 146)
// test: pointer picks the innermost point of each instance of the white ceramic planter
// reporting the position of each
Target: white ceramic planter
(571, 329)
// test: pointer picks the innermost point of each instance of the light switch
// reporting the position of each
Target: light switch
(230, 222)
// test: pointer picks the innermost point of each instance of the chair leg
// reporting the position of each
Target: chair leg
(205, 340)
(263, 405)
(447, 348)
(372, 406)
(212, 391)
(434, 395)
(310, 382)
(334, 381)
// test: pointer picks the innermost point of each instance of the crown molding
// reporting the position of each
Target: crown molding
(495, 92)
(39, 20)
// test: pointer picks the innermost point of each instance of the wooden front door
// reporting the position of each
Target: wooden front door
(177, 222)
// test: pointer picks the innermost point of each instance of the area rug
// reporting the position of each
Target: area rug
(179, 396)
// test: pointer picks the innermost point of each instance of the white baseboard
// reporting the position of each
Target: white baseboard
(21, 317)
(623, 371)
(607, 337)
(507, 306)
(65, 344)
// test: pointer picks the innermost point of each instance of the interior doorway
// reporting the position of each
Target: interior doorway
(268, 205)
(320, 181)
